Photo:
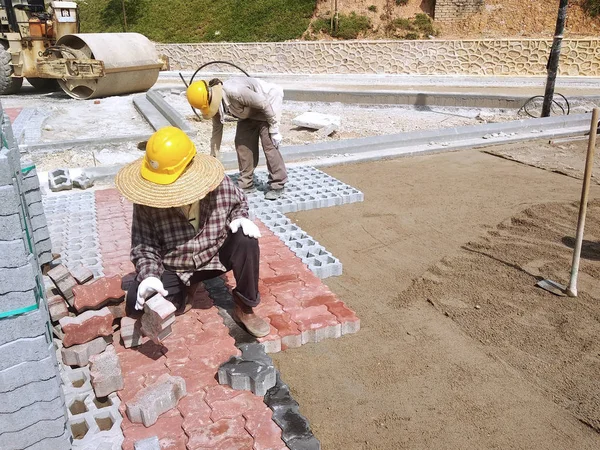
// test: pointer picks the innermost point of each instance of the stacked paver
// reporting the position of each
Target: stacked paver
(32, 411)
(85, 313)
(72, 225)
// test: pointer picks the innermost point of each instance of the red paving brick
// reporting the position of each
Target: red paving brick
(298, 305)
(12, 113)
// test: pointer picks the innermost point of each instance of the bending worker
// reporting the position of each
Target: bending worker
(190, 223)
(258, 106)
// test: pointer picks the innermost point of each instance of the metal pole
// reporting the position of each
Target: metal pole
(554, 57)
(124, 16)
(589, 162)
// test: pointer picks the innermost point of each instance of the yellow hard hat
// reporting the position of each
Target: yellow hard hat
(206, 99)
(168, 152)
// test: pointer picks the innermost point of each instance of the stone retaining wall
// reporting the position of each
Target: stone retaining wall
(448, 10)
(436, 57)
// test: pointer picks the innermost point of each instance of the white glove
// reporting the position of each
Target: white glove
(148, 287)
(276, 138)
(248, 227)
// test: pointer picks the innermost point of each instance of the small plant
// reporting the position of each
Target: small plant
(372, 8)
(424, 24)
(592, 7)
(418, 28)
(403, 24)
(401, 2)
(349, 26)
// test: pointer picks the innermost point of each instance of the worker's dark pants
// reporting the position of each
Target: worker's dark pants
(247, 135)
(239, 253)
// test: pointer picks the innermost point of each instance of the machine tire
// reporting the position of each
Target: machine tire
(8, 84)
(44, 84)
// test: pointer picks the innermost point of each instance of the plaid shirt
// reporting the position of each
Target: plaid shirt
(163, 238)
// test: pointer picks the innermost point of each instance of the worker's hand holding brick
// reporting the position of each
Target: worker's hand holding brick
(148, 287)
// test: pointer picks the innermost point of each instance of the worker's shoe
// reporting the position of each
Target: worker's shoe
(249, 190)
(245, 315)
(274, 194)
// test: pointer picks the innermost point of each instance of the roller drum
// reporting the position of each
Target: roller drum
(130, 62)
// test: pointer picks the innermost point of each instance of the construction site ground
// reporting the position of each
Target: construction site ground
(56, 118)
(458, 348)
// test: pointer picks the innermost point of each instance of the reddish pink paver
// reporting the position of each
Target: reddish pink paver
(300, 308)
(12, 113)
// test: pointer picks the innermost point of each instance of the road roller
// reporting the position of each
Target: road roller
(41, 42)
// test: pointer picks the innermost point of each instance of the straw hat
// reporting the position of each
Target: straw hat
(171, 174)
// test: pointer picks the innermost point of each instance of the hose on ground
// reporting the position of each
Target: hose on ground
(529, 104)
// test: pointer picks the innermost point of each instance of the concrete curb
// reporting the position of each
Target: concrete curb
(405, 144)
(416, 98)
(409, 97)
(49, 146)
(155, 97)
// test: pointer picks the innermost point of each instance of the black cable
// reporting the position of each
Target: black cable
(202, 67)
(554, 102)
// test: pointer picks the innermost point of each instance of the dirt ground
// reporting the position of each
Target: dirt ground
(356, 121)
(564, 156)
(458, 349)
(498, 18)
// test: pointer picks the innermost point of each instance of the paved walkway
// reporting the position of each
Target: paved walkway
(300, 308)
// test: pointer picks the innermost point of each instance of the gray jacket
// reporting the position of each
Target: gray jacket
(247, 98)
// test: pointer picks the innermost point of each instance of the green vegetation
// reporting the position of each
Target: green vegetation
(401, 2)
(372, 8)
(201, 20)
(421, 27)
(592, 7)
(349, 26)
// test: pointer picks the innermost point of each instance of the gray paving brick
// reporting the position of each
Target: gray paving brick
(20, 279)
(152, 401)
(60, 180)
(31, 182)
(39, 435)
(147, 444)
(7, 169)
(76, 381)
(33, 197)
(29, 415)
(38, 222)
(28, 325)
(30, 394)
(79, 355)
(16, 300)
(62, 442)
(64, 281)
(24, 349)
(35, 209)
(13, 254)
(10, 227)
(105, 372)
(9, 201)
(304, 443)
(28, 372)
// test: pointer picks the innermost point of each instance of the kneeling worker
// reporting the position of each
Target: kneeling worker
(190, 223)
(258, 105)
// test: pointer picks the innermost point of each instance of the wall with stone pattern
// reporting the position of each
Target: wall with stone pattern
(435, 57)
(448, 10)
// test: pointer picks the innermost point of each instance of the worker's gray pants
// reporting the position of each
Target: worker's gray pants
(247, 135)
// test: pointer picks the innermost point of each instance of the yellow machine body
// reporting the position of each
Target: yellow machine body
(43, 41)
